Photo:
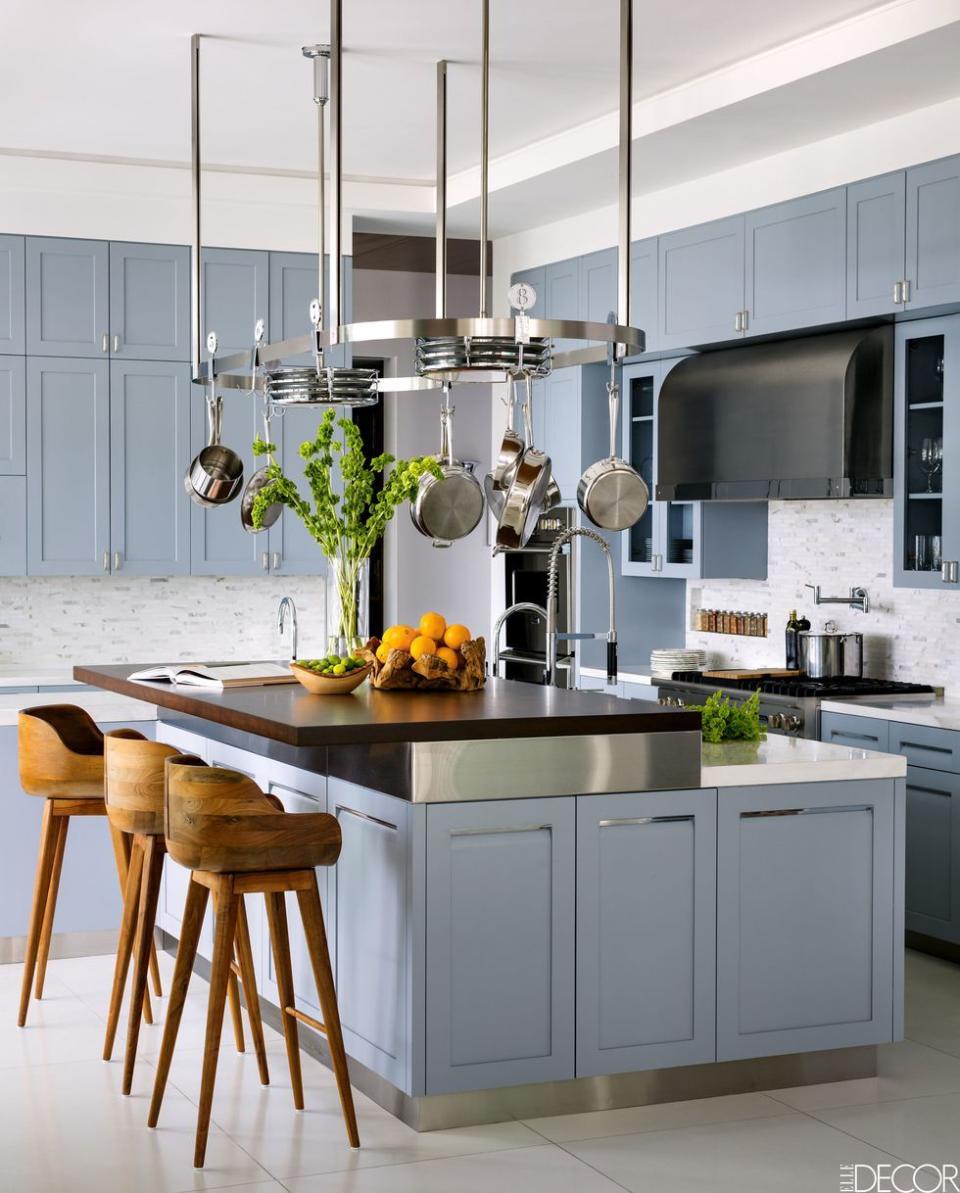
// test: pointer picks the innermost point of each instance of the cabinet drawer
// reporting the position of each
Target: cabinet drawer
(923, 745)
(862, 733)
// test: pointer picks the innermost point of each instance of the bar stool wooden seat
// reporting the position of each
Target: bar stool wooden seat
(61, 760)
(236, 840)
(133, 787)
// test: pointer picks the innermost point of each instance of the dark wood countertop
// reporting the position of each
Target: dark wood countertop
(503, 709)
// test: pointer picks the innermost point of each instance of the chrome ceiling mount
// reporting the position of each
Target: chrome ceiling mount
(483, 349)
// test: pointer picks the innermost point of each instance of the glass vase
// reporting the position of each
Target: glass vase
(347, 605)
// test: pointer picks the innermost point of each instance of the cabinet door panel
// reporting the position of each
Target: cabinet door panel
(598, 285)
(500, 943)
(235, 296)
(13, 526)
(293, 551)
(933, 233)
(644, 267)
(150, 301)
(560, 394)
(12, 298)
(805, 918)
(876, 244)
(796, 263)
(926, 746)
(562, 298)
(67, 297)
(646, 931)
(293, 286)
(701, 279)
(862, 733)
(13, 415)
(933, 854)
(68, 463)
(150, 451)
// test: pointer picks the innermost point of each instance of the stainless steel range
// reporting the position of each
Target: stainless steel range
(789, 706)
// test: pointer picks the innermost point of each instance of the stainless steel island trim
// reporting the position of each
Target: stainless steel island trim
(521, 767)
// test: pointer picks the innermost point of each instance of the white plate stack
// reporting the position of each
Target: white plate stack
(663, 663)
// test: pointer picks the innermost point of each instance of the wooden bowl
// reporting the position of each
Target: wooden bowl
(336, 685)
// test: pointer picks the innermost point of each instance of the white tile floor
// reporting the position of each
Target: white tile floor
(65, 1128)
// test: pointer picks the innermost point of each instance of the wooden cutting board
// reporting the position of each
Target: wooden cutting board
(758, 673)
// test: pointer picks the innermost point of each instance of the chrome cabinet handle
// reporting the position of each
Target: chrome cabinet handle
(905, 290)
(744, 320)
(117, 561)
(265, 561)
(738, 321)
(948, 571)
(367, 816)
(616, 823)
(505, 828)
(104, 342)
(898, 293)
(106, 561)
(275, 560)
(116, 343)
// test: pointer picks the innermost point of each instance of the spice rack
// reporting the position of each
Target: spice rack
(727, 621)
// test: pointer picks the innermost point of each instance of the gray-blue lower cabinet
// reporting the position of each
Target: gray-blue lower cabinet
(933, 853)
(12, 300)
(68, 466)
(646, 931)
(149, 301)
(861, 733)
(500, 943)
(375, 913)
(13, 526)
(149, 453)
(806, 917)
(13, 415)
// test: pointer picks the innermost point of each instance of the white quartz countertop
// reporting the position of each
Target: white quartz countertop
(626, 674)
(22, 675)
(780, 759)
(102, 706)
(909, 710)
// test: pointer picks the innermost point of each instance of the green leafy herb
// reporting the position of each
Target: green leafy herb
(722, 720)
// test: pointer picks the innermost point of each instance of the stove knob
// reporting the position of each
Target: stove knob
(775, 720)
(791, 723)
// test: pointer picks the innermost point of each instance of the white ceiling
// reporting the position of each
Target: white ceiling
(110, 77)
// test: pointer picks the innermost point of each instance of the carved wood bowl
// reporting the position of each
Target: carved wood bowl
(428, 673)
(335, 685)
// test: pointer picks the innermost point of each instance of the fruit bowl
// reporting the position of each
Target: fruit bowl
(330, 685)
(402, 672)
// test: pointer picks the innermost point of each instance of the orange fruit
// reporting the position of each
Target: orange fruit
(383, 652)
(432, 625)
(399, 637)
(450, 657)
(422, 645)
(455, 636)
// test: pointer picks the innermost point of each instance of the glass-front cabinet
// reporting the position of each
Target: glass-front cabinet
(927, 454)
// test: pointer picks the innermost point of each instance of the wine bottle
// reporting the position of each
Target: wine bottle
(792, 642)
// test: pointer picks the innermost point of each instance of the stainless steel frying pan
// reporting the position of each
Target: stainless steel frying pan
(497, 481)
(448, 507)
(526, 499)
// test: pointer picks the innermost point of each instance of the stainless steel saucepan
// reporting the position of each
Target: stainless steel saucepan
(497, 481)
(215, 476)
(256, 483)
(612, 494)
(529, 491)
(448, 507)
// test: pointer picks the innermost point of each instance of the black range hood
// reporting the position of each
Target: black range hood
(802, 418)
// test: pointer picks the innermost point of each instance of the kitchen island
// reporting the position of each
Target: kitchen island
(545, 903)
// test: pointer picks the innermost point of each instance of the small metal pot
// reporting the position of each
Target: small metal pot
(831, 654)
(449, 507)
(215, 476)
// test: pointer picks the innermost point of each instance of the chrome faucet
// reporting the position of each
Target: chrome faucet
(553, 636)
(287, 606)
(519, 607)
(857, 599)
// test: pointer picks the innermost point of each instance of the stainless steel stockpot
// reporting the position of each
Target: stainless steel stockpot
(829, 654)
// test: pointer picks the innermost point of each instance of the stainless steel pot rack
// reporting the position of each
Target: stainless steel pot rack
(485, 348)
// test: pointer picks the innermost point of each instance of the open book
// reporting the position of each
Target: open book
(230, 675)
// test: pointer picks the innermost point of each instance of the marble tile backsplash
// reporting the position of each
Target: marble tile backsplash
(909, 634)
(116, 619)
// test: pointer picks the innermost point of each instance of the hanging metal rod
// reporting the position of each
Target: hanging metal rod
(196, 283)
(626, 161)
(484, 153)
(335, 302)
(441, 228)
(320, 56)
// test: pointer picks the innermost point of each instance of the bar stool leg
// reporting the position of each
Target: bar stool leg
(233, 997)
(225, 902)
(128, 927)
(61, 824)
(312, 914)
(122, 852)
(280, 940)
(192, 923)
(41, 889)
(249, 981)
(152, 849)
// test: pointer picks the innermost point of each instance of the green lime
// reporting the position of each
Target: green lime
(340, 669)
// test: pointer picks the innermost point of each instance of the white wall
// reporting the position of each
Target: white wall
(910, 634)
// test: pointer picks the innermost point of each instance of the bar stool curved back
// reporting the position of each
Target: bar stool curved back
(238, 840)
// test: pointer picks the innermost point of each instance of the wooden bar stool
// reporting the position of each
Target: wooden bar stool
(61, 759)
(133, 786)
(236, 840)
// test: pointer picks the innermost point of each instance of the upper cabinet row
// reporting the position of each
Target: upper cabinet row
(882, 246)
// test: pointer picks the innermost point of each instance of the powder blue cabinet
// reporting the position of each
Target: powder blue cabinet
(644, 272)
(12, 300)
(149, 301)
(933, 233)
(235, 296)
(807, 917)
(13, 526)
(933, 853)
(860, 733)
(598, 285)
(646, 931)
(68, 466)
(13, 415)
(701, 284)
(796, 263)
(293, 286)
(876, 245)
(500, 943)
(68, 288)
(149, 453)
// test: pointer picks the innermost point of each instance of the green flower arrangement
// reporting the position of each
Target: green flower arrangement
(348, 525)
